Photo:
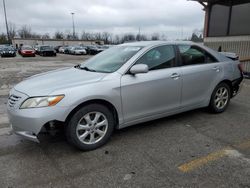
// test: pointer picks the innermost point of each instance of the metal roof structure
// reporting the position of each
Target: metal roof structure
(223, 2)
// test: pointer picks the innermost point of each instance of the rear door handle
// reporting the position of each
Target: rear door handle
(175, 76)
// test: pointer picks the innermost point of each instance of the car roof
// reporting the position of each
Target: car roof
(154, 43)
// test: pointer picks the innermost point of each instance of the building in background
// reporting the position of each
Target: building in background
(17, 42)
(227, 24)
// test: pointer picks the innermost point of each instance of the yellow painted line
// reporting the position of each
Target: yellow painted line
(202, 161)
(191, 165)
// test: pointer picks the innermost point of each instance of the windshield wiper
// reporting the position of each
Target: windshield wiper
(85, 68)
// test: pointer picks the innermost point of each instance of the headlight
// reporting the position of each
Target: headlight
(36, 102)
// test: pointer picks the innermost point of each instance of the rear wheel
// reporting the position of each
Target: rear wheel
(90, 127)
(220, 98)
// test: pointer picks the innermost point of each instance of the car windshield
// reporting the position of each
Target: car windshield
(27, 48)
(110, 60)
(78, 48)
(7, 49)
(46, 48)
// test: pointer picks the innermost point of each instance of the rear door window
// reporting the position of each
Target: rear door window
(192, 55)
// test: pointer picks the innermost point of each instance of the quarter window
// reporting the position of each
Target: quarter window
(159, 58)
(191, 55)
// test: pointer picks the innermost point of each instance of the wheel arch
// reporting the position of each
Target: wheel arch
(229, 83)
(106, 103)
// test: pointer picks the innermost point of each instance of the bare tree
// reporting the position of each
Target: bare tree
(116, 39)
(25, 32)
(3, 38)
(127, 38)
(45, 36)
(155, 36)
(58, 35)
(12, 30)
(97, 36)
(141, 37)
(35, 35)
(86, 35)
(106, 37)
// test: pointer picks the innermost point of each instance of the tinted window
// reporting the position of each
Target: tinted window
(191, 55)
(46, 48)
(219, 20)
(159, 58)
(240, 19)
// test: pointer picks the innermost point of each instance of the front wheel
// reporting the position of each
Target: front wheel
(90, 127)
(220, 98)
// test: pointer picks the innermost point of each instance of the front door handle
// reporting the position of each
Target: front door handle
(175, 76)
(217, 69)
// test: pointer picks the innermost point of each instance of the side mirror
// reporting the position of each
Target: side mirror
(139, 68)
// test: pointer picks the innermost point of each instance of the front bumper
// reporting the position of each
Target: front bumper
(27, 55)
(27, 135)
(29, 122)
(8, 54)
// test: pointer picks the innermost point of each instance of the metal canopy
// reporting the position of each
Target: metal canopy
(222, 2)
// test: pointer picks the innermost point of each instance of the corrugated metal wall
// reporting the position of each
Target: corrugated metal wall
(236, 44)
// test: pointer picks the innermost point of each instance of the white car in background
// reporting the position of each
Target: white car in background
(78, 51)
(61, 49)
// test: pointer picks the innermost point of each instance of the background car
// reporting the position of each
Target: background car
(36, 48)
(8, 51)
(1, 48)
(67, 49)
(56, 48)
(93, 50)
(61, 49)
(78, 50)
(27, 51)
(46, 51)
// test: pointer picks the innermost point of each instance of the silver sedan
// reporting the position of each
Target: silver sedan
(122, 86)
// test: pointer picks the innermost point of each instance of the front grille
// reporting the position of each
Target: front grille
(12, 100)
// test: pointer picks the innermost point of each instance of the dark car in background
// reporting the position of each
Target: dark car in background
(67, 49)
(46, 51)
(8, 51)
(95, 49)
(27, 51)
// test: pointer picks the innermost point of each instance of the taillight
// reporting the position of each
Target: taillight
(240, 66)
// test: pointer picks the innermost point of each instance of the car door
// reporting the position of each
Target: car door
(200, 73)
(156, 91)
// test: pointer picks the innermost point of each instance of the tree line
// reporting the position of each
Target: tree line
(26, 32)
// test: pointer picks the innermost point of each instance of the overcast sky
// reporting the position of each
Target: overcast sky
(174, 18)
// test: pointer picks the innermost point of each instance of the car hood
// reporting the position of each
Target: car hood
(46, 83)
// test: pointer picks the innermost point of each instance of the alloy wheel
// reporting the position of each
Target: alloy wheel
(92, 127)
(221, 97)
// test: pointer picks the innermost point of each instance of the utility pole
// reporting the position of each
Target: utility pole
(139, 34)
(73, 24)
(6, 22)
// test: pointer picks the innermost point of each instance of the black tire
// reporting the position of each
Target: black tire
(71, 127)
(213, 107)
